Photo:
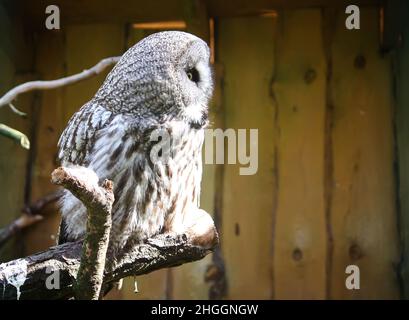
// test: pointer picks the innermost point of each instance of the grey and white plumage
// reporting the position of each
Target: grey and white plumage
(163, 82)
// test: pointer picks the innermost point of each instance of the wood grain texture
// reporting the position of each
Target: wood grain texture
(246, 51)
(299, 88)
(363, 214)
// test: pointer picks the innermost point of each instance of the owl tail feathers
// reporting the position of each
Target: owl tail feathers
(62, 233)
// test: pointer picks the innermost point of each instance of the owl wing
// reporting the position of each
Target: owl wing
(78, 138)
(77, 141)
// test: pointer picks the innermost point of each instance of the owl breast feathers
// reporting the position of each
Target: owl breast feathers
(162, 84)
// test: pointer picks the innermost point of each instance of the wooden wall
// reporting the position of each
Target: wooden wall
(16, 66)
(397, 31)
(363, 215)
(325, 193)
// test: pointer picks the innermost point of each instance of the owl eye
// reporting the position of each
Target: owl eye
(193, 75)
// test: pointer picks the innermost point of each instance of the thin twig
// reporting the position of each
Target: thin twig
(38, 206)
(52, 84)
(20, 223)
(31, 214)
(15, 110)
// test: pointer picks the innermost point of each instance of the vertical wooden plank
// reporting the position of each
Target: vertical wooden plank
(246, 51)
(49, 65)
(16, 56)
(197, 20)
(363, 214)
(299, 88)
(85, 46)
(401, 73)
(133, 36)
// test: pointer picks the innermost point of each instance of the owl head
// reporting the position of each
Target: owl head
(165, 76)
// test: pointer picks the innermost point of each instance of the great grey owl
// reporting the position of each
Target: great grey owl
(163, 82)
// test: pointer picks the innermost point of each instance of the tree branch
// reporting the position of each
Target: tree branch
(83, 183)
(82, 272)
(31, 215)
(38, 206)
(8, 98)
(20, 223)
(63, 270)
(51, 274)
